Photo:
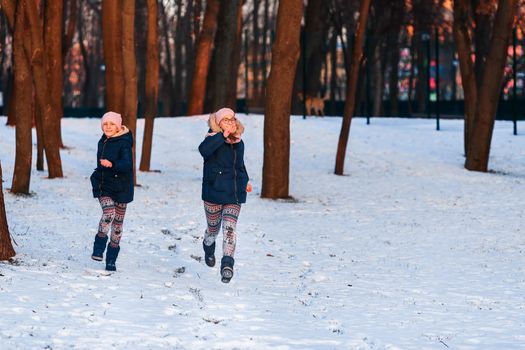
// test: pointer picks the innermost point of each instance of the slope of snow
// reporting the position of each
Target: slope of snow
(408, 250)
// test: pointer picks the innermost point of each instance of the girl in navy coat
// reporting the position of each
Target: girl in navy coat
(224, 186)
(112, 183)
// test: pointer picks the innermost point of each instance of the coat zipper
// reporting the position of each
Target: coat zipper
(235, 174)
(102, 173)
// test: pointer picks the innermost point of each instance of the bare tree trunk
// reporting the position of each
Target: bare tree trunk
(197, 12)
(231, 97)
(55, 70)
(203, 58)
(189, 55)
(152, 85)
(179, 60)
(6, 247)
(468, 74)
(482, 33)
(316, 14)
(9, 9)
(46, 108)
(130, 73)
(112, 41)
(91, 63)
(480, 139)
(22, 107)
(357, 55)
(71, 25)
(255, 54)
(130, 66)
(264, 55)
(167, 73)
(225, 42)
(285, 54)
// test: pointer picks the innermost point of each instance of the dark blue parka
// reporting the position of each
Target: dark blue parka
(224, 175)
(115, 182)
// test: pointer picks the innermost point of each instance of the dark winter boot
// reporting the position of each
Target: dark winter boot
(111, 258)
(209, 251)
(227, 268)
(98, 247)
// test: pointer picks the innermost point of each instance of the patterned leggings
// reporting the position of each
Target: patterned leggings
(112, 216)
(228, 214)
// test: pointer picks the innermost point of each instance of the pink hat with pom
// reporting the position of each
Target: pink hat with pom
(223, 113)
(113, 117)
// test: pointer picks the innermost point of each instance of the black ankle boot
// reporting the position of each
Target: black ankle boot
(227, 268)
(98, 247)
(209, 254)
(111, 258)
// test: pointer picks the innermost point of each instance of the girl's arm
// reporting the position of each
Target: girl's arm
(124, 163)
(210, 145)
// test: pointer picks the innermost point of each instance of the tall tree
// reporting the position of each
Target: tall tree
(8, 7)
(6, 247)
(468, 74)
(315, 31)
(350, 103)
(152, 84)
(23, 106)
(112, 42)
(480, 137)
(203, 58)
(231, 89)
(129, 65)
(55, 72)
(285, 54)
(46, 109)
(225, 43)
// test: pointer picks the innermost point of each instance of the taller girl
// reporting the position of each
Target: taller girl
(112, 183)
(224, 186)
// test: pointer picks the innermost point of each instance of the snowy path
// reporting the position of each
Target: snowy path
(408, 251)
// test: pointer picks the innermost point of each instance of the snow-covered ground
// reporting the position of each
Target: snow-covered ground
(407, 251)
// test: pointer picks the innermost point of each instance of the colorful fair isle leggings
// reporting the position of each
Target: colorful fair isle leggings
(112, 216)
(228, 214)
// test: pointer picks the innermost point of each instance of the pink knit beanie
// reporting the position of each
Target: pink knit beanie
(113, 117)
(223, 113)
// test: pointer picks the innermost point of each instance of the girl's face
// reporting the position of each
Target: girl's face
(229, 124)
(109, 129)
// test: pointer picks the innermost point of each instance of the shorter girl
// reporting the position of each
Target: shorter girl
(112, 183)
(224, 186)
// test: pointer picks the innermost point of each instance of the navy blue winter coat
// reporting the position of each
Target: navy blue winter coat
(117, 181)
(224, 175)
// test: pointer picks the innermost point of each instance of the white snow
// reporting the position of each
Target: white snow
(408, 250)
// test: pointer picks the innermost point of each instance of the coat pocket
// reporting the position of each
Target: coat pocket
(221, 180)
(114, 183)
